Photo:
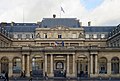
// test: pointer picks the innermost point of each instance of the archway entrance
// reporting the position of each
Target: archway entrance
(37, 66)
(115, 65)
(4, 64)
(82, 66)
(59, 69)
(103, 65)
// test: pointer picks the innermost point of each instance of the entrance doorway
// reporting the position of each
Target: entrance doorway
(4, 65)
(82, 67)
(37, 67)
(59, 69)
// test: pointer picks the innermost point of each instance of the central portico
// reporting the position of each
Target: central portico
(60, 64)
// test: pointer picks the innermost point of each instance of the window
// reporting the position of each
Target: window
(16, 65)
(87, 36)
(32, 35)
(59, 65)
(103, 65)
(19, 35)
(115, 65)
(37, 64)
(94, 35)
(27, 36)
(102, 35)
(59, 36)
(45, 35)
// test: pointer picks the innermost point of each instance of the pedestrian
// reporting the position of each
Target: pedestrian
(21, 74)
(46, 77)
(24, 73)
(6, 77)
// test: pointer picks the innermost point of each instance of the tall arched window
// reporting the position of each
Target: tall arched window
(103, 65)
(37, 63)
(16, 65)
(4, 64)
(115, 65)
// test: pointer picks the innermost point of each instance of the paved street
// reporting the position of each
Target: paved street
(60, 80)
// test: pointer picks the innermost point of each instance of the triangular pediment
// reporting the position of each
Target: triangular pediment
(60, 28)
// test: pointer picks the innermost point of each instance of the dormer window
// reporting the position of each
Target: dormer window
(87, 36)
(94, 36)
(19, 36)
(102, 35)
(27, 36)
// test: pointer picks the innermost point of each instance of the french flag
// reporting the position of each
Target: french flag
(56, 43)
(62, 10)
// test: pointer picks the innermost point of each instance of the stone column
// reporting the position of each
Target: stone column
(67, 65)
(0, 67)
(88, 66)
(45, 63)
(91, 64)
(74, 65)
(96, 64)
(51, 65)
(28, 66)
(10, 69)
(23, 63)
(119, 67)
(109, 68)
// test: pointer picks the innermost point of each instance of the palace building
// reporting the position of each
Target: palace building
(59, 47)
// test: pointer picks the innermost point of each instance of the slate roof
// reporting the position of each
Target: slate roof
(21, 27)
(98, 28)
(52, 22)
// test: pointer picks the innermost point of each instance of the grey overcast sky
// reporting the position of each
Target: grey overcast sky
(99, 12)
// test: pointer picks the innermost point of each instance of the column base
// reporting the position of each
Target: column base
(67, 75)
(28, 75)
(51, 75)
(72, 75)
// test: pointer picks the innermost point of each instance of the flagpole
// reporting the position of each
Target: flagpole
(60, 11)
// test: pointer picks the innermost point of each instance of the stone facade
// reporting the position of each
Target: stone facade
(59, 51)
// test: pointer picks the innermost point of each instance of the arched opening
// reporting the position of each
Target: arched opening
(17, 65)
(4, 64)
(102, 65)
(82, 66)
(37, 66)
(59, 69)
(59, 65)
(115, 65)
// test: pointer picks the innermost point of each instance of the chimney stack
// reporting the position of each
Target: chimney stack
(80, 24)
(54, 16)
(89, 23)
